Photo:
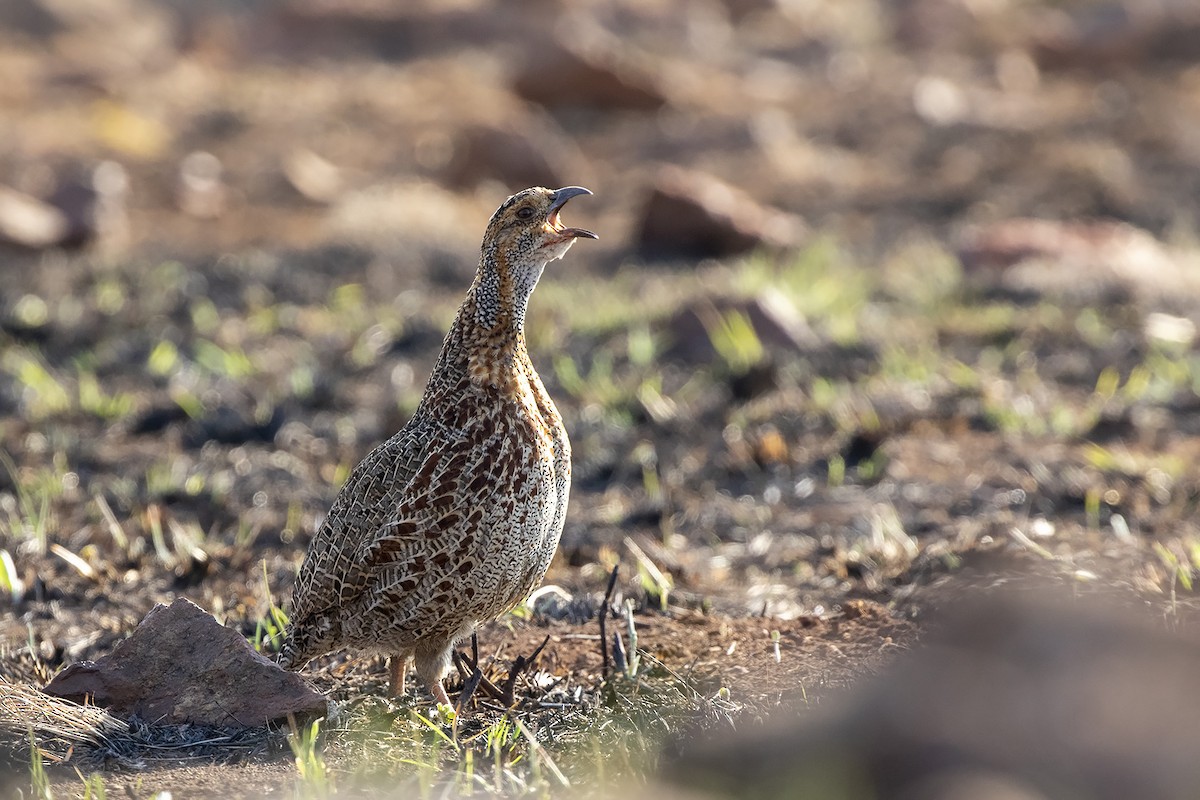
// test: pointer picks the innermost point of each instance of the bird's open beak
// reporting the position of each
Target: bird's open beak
(561, 196)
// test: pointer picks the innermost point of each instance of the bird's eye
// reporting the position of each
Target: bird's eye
(525, 213)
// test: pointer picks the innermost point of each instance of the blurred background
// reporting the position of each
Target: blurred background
(893, 299)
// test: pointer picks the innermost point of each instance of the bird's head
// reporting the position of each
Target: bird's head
(526, 231)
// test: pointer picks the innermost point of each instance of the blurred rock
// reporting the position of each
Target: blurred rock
(95, 206)
(696, 215)
(1117, 33)
(928, 24)
(775, 321)
(29, 17)
(83, 209)
(313, 177)
(27, 222)
(200, 189)
(393, 31)
(226, 424)
(528, 152)
(181, 666)
(1015, 697)
(111, 38)
(739, 9)
(591, 68)
(1083, 260)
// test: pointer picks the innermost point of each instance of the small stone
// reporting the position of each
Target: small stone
(694, 214)
(591, 69)
(85, 208)
(1080, 260)
(181, 666)
(200, 188)
(1112, 34)
(775, 320)
(28, 222)
(313, 177)
(528, 152)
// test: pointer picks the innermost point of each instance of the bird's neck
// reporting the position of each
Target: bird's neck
(499, 296)
(491, 323)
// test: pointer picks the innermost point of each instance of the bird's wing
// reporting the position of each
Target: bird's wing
(365, 503)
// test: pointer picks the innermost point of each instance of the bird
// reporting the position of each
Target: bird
(454, 520)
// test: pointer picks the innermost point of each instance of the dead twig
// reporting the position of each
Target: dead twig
(519, 666)
(474, 679)
(612, 582)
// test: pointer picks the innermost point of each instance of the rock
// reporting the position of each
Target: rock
(94, 204)
(1017, 696)
(775, 320)
(1080, 260)
(86, 207)
(1110, 34)
(942, 24)
(30, 17)
(589, 68)
(694, 214)
(28, 222)
(181, 666)
(392, 31)
(740, 9)
(226, 424)
(522, 153)
(313, 177)
(200, 188)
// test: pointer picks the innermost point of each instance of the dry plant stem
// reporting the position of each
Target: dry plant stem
(474, 678)
(519, 666)
(608, 592)
(473, 671)
(470, 684)
(471, 677)
(618, 647)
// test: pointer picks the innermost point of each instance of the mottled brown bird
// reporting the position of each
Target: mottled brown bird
(454, 520)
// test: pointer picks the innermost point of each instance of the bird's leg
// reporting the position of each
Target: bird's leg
(439, 693)
(397, 672)
(431, 666)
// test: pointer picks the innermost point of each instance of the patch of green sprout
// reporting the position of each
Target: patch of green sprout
(44, 394)
(735, 340)
(93, 786)
(641, 345)
(599, 387)
(656, 582)
(313, 780)
(271, 627)
(163, 359)
(836, 471)
(30, 515)
(223, 362)
(39, 781)
(95, 401)
(825, 286)
(10, 579)
(205, 316)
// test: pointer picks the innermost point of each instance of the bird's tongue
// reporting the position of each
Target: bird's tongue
(556, 223)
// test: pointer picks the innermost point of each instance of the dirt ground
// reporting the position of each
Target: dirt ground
(282, 203)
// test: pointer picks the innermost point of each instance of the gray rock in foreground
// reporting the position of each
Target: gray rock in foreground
(181, 665)
(1017, 696)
